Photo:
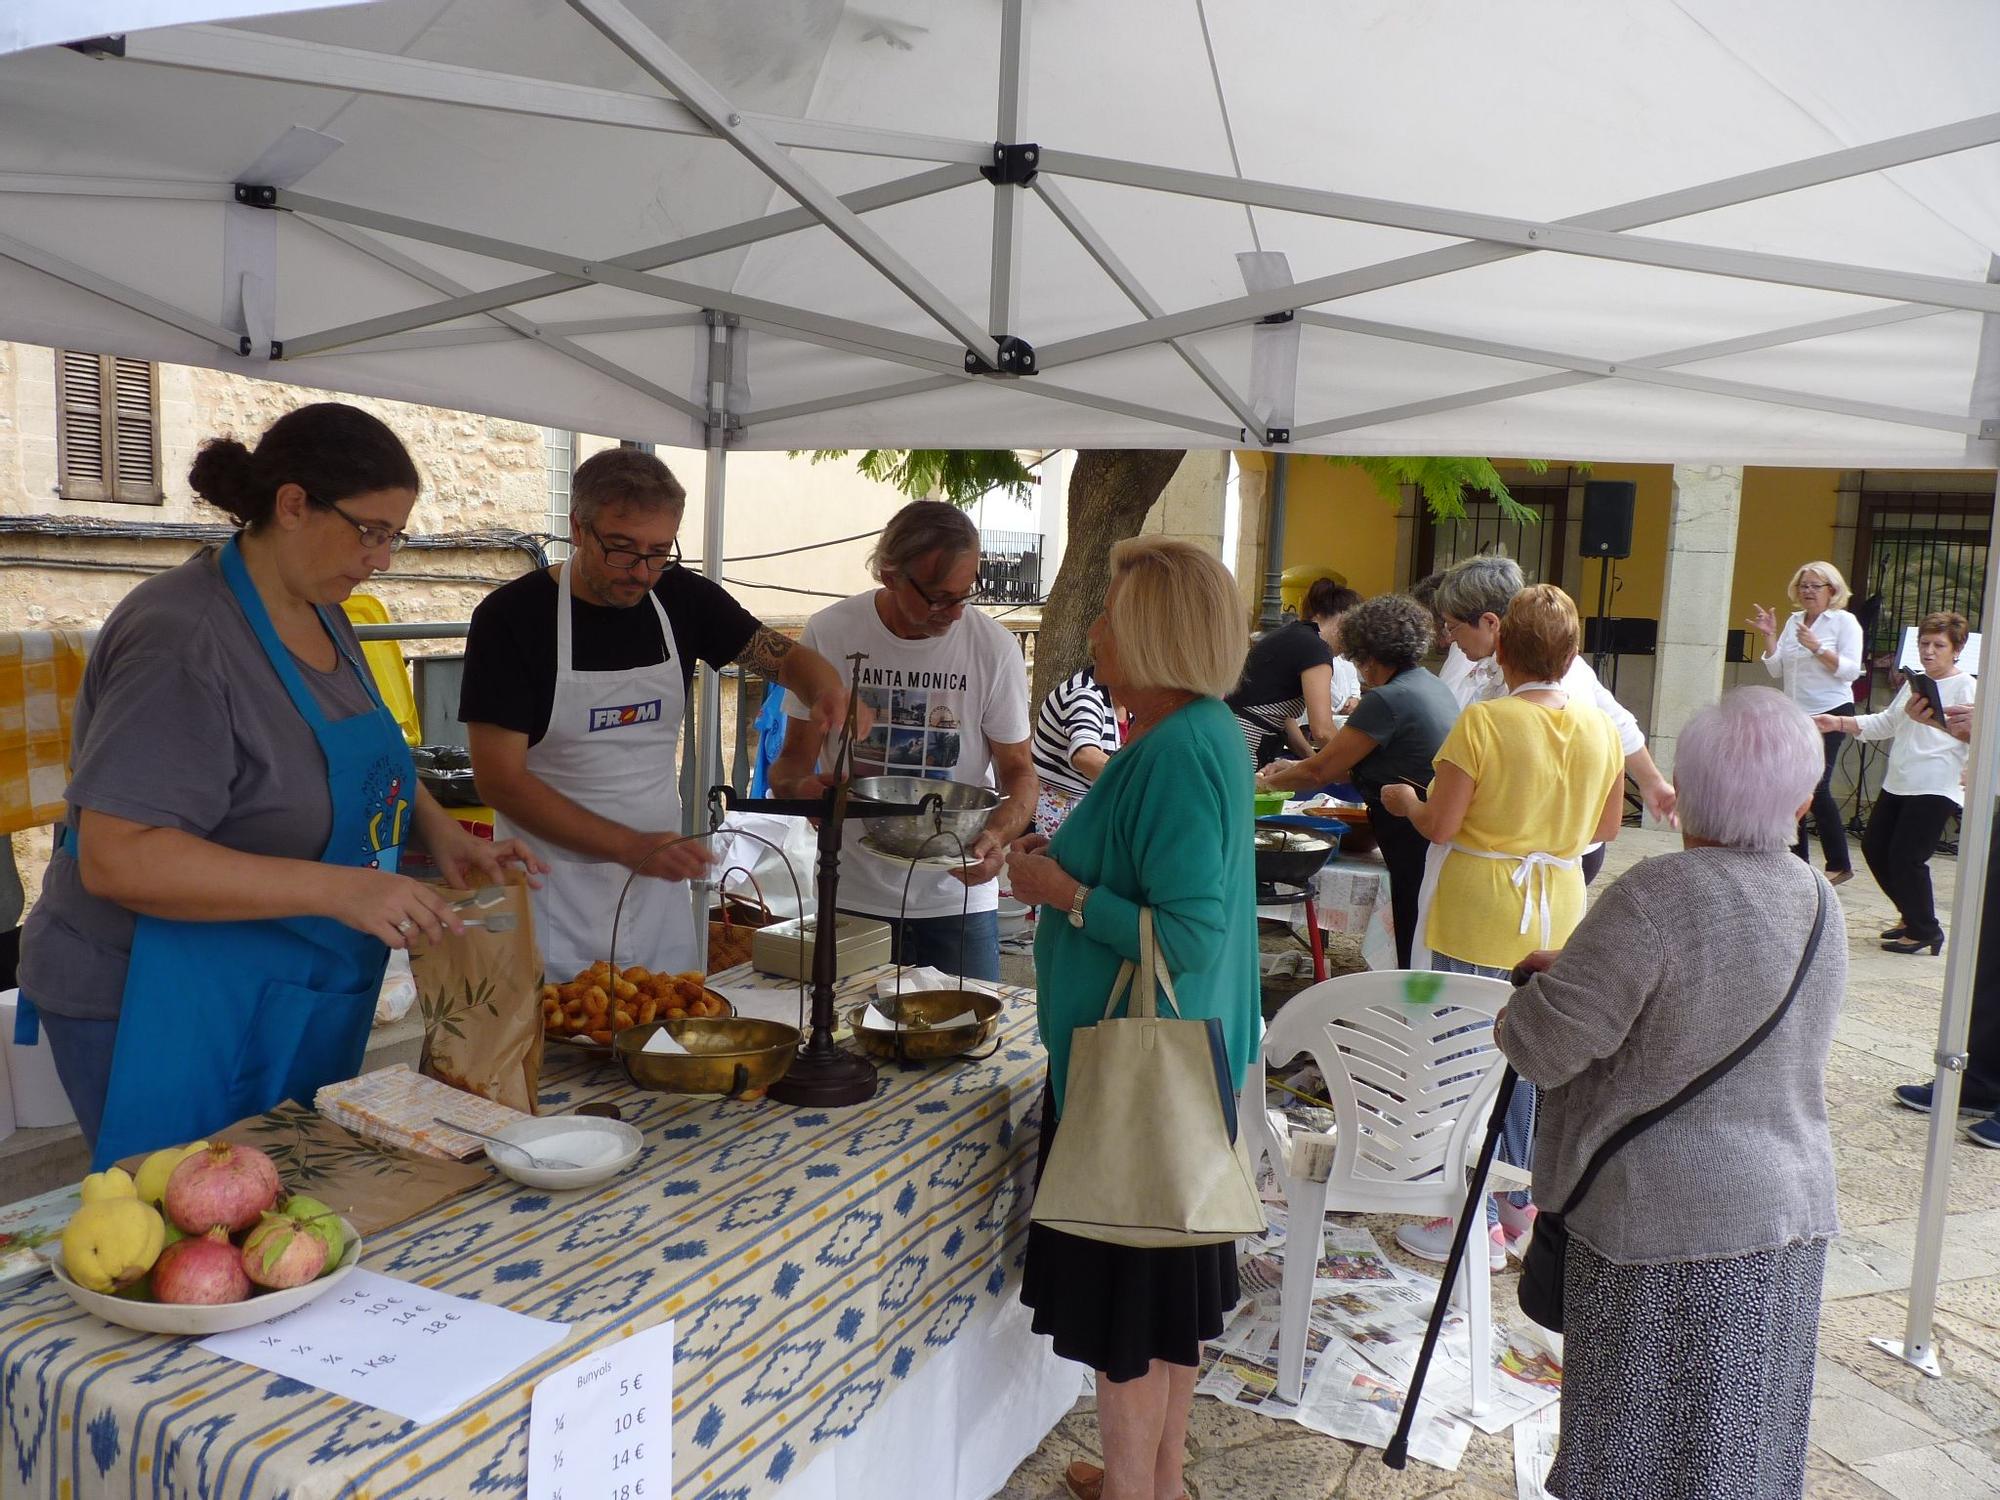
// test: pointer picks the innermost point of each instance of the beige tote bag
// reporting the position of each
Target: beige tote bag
(1148, 1153)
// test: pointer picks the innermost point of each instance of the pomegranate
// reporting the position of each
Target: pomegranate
(224, 1185)
(206, 1269)
(282, 1252)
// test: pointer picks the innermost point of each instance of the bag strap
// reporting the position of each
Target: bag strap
(1146, 980)
(1625, 1133)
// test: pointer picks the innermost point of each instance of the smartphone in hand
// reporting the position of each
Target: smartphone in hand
(1925, 686)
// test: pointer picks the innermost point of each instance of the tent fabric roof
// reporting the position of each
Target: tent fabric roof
(1649, 231)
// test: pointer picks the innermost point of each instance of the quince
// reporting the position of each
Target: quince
(112, 1243)
(112, 1182)
(320, 1222)
(151, 1183)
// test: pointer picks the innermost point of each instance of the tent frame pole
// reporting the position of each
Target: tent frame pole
(676, 74)
(1004, 294)
(146, 305)
(708, 717)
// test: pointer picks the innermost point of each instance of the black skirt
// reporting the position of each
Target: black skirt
(1116, 1308)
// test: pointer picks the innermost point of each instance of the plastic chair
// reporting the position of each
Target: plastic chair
(386, 665)
(1411, 1084)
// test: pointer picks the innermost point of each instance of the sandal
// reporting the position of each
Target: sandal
(1085, 1481)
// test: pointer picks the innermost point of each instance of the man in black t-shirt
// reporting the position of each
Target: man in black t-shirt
(576, 680)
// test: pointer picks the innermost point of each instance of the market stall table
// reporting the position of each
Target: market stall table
(813, 1261)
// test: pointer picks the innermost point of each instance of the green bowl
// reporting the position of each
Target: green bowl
(1268, 804)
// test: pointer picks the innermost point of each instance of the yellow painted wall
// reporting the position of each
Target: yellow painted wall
(1787, 518)
(1335, 518)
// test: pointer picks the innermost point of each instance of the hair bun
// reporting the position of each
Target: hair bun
(224, 476)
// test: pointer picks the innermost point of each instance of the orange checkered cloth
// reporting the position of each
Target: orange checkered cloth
(40, 671)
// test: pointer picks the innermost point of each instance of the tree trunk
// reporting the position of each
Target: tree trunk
(1110, 492)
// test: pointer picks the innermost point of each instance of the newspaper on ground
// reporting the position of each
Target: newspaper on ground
(1534, 1453)
(1527, 1374)
(1351, 1255)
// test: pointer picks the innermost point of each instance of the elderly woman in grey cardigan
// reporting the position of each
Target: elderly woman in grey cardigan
(1692, 1286)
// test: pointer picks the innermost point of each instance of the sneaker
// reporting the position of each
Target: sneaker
(1985, 1131)
(1917, 1096)
(1431, 1240)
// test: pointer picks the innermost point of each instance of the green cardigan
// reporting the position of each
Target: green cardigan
(1167, 825)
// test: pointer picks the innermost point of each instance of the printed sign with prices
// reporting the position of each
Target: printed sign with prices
(393, 1345)
(602, 1428)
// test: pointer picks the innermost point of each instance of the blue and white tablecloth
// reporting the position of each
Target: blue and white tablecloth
(812, 1261)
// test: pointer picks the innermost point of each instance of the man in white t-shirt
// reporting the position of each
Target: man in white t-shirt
(949, 692)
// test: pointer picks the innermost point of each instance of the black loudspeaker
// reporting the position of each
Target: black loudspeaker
(1607, 517)
(1620, 637)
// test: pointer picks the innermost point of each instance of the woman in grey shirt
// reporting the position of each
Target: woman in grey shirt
(1692, 1285)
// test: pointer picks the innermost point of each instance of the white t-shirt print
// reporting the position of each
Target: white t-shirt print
(938, 703)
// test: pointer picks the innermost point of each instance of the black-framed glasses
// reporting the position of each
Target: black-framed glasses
(939, 603)
(625, 557)
(371, 536)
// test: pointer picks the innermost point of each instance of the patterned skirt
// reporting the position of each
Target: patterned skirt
(1690, 1380)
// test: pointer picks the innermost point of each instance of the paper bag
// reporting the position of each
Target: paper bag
(479, 994)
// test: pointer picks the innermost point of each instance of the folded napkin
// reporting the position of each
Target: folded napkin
(875, 1020)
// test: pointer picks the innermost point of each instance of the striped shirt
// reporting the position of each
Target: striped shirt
(1075, 716)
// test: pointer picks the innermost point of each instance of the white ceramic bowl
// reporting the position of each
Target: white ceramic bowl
(601, 1148)
(199, 1322)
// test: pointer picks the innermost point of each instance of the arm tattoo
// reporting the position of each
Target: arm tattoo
(766, 652)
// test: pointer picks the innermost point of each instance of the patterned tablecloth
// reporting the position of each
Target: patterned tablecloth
(811, 1259)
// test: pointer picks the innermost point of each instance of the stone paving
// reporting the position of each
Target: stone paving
(1880, 1429)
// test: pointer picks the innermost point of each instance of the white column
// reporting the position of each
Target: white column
(1694, 610)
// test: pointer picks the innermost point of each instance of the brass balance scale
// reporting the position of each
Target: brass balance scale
(823, 1074)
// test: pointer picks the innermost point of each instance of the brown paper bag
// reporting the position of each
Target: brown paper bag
(478, 992)
(739, 916)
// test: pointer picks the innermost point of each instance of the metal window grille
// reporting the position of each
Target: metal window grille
(1010, 565)
(107, 428)
(1484, 529)
(558, 463)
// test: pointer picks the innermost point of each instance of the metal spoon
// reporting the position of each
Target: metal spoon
(535, 1163)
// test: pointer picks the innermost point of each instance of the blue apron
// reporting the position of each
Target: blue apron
(224, 1020)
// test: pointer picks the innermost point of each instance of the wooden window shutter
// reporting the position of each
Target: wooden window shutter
(108, 438)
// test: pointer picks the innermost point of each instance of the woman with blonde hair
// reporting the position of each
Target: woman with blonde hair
(1816, 657)
(1167, 826)
(1525, 783)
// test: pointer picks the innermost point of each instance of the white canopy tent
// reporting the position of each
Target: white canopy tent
(1661, 230)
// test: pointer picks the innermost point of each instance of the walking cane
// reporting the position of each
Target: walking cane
(1397, 1454)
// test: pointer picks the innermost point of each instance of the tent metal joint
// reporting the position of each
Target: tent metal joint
(1011, 356)
(1277, 437)
(1280, 317)
(1951, 1062)
(256, 195)
(100, 46)
(1014, 165)
(1989, 429)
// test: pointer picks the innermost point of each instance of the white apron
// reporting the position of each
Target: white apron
(609, 747)
(1532, 872)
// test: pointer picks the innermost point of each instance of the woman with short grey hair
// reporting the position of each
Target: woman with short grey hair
(1692, 1282)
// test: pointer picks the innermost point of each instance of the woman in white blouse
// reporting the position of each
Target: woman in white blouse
(1923, 787)
(1816, 657)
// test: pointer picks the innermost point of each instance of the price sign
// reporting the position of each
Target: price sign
(393, 1345)
(602, 1428)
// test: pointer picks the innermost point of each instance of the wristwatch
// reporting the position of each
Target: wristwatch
(1076, 906)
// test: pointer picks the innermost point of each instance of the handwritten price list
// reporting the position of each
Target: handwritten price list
(602, 1428)
(393, 1345)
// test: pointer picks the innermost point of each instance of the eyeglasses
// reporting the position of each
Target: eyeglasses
(371, 536)
(939, 603)
(625, 557)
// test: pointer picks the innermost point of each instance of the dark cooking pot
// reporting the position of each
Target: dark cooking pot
(1288, 855)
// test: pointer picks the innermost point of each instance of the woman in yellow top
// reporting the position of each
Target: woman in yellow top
(1524, 785)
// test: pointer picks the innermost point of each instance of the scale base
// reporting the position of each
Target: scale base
(1926, 1360)
(828, 1079)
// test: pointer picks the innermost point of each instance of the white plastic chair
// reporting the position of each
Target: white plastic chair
(1412, 1090)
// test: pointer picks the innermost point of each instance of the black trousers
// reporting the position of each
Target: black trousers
(1825, 811)
(1981, 1088)
(1403, 850)
(1902, 835)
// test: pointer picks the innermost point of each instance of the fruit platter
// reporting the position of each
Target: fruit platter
(602, 1000)
(203, 1238)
